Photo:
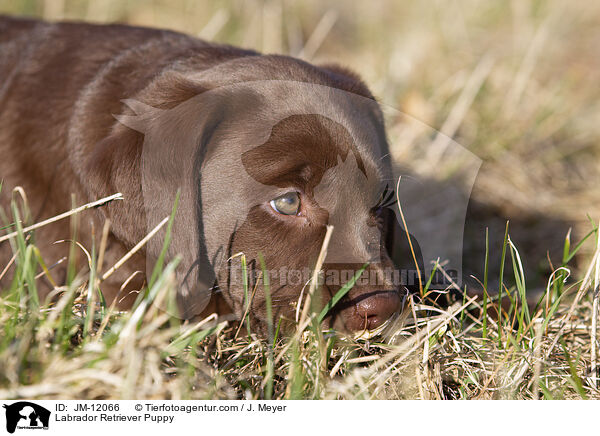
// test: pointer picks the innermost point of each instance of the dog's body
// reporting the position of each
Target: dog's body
(61, 86)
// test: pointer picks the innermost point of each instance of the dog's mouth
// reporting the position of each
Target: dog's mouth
(383, 330)
(367, 315)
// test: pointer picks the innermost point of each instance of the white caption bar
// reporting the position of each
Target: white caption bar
(72, 417)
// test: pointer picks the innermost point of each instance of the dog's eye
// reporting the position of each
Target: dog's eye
(286, 204)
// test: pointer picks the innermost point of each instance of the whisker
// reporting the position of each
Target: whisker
(390, 204)
(389, 196)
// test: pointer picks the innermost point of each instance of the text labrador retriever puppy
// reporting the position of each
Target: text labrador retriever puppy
(265, 152)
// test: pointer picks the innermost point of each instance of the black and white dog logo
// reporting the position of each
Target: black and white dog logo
(26, 415)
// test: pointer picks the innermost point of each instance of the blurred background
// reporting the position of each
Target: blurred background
(514, 82)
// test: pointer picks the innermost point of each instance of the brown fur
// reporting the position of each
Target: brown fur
(60, 86)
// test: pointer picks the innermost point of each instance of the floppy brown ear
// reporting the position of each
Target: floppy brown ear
(115, 162)
(156, 149)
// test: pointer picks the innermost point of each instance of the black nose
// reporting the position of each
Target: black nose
(372, 310)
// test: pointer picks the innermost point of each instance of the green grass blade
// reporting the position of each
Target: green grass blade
(158, 266)
(502, 261)
(340, 294)
(270, 364)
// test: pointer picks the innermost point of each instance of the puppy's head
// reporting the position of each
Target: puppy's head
(317, 177)
(263, 168)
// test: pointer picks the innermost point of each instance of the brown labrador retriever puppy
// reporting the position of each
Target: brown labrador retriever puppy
(265, 151)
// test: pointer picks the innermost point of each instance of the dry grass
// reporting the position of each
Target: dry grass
(514, 82)
(77, 347)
